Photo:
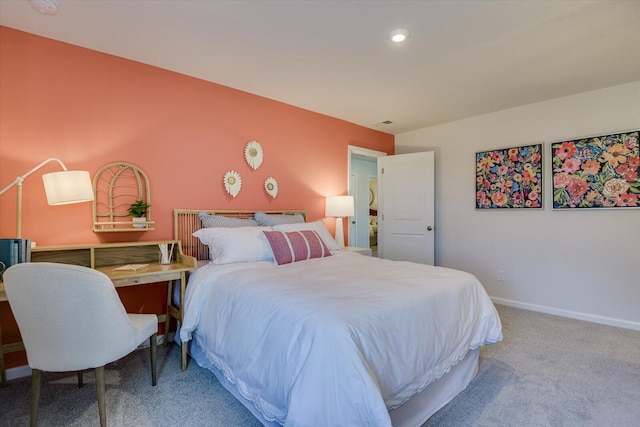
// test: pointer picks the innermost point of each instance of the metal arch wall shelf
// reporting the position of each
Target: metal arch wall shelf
(116, 186)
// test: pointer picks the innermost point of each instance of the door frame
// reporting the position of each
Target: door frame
(352, 152)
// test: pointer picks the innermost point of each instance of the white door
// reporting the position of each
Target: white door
(405, 207)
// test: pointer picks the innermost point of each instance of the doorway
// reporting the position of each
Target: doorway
(363, 169)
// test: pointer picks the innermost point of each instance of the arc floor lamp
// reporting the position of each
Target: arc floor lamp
(61, 188)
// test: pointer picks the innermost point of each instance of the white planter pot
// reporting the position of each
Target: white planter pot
(139, 222)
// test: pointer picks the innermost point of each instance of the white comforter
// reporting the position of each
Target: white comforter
(335, 341)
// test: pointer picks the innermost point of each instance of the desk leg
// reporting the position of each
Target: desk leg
(3, 374)
(183, 345)
(178, 314)
(168, 319)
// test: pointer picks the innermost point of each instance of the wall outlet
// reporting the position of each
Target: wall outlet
(500, 275)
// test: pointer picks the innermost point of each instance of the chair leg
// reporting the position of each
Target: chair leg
(100, 390)
(80, 380)
(36, 380)
(154, 366)
(183, 355)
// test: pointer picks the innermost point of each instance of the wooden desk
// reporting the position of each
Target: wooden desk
(104, 258)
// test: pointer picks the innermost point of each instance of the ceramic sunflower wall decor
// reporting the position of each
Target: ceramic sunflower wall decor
(232, 182)
(271, 186)
(253, 154)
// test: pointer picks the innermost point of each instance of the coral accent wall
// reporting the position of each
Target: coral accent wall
(89, 109)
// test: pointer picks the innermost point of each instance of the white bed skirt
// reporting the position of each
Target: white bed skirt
(423, 405)
(413, 413)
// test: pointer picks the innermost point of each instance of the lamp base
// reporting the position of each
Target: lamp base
(339, 232)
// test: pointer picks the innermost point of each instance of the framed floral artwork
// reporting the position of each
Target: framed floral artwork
(597, 172)
(509, 178)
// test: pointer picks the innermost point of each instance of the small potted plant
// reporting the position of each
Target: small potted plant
(138, 210)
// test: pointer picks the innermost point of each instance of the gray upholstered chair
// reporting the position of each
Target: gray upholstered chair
(70, 319)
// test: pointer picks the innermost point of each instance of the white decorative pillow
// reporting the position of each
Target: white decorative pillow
(212, 220)
(317, 226)
(238, 244)
(277, 219)
(296, 246)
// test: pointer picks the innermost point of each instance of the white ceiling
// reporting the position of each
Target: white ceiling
(463, 58)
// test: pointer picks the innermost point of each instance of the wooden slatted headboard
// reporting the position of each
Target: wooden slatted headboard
(186, 222)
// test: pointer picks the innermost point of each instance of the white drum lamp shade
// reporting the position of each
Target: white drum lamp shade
(67, 187)
(61, 188)
(339, 207)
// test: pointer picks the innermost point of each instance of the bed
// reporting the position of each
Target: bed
(336, 338)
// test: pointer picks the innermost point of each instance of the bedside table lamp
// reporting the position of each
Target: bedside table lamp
(61, 188)
(339, 207)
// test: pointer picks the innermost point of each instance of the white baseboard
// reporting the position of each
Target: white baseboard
(18, 372)
(25, 370)
(627, 324)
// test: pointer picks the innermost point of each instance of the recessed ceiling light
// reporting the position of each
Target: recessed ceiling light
(399, 35)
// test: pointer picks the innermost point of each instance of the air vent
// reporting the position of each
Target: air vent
(383, 123)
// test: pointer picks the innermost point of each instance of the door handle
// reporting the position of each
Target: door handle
(429, 228)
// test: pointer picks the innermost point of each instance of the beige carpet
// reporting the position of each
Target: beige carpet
(552, 371)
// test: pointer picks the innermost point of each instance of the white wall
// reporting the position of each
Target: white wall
(582, 264)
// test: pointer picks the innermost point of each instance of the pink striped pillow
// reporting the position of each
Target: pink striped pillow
(288, 247)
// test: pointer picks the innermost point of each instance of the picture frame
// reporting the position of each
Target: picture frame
(597, 172)
(510, 178)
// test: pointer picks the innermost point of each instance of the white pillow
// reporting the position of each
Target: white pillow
(317, 226)
(238, 244)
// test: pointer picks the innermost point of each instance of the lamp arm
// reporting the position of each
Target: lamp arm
(21, 178)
